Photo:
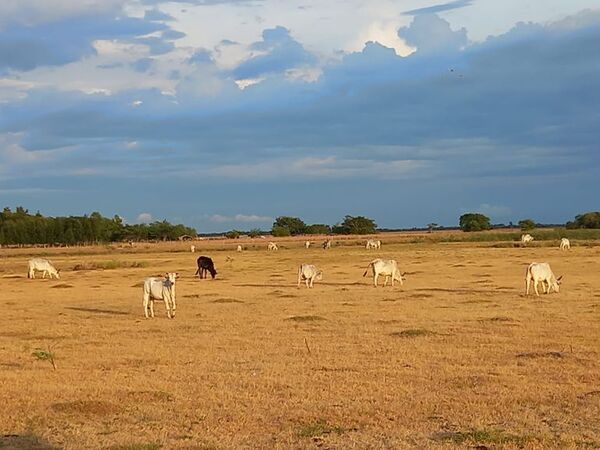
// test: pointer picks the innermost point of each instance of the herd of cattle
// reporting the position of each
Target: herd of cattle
(158, 288)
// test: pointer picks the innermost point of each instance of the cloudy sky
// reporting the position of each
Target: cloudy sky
(226, 113)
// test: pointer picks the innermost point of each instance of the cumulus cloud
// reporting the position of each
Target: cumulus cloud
(430, 33)
(144, 218)
(449, 6)
(243, 218)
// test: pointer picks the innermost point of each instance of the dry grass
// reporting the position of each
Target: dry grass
(456, 358)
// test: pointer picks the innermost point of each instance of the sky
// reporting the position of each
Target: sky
(225, 114)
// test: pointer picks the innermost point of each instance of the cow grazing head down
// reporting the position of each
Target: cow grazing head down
(319, 276)
(556, 284)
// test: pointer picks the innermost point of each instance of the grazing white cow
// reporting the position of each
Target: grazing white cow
(193, 248)
(387, 268)
(239, 248)
(373, 244)
(307, 244)
(565, 244)
(327, 244)
(42, 265)
(309, 273)
(541, 272)
(160, 289)
(526, 238)
(272, 246)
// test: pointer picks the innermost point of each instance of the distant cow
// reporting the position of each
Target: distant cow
(327, 244)
(565, 244)
(541, 272)
(387, 268)
(526, 238)
(42, 265)
(372, 244)
(309, 273)
(193, 248)
(205, 264)
(160, 289)
(239, 248)
(307, 244)
(272, 246)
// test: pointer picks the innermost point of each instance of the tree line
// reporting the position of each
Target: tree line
(21, 227)
(480, 222)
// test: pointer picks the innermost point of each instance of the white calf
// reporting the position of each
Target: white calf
(327, 244)
(541, 272)
(307, 244)
(526, 238)
(565, 244)
(373, 244)
(193, 248)
(309, 273)
(42, 265)
(272, 246)
(160, 289)
(386, 267)
(239, 248)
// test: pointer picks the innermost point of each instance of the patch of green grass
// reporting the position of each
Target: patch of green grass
(109, 265)
(305, 318)
(62, 286)
(226, 300)
(492, 436)
(151, 446)
(319, 428)
(413, 332)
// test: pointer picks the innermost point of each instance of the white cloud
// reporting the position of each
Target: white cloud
(251, 218)
(145, 218)
(493, 211)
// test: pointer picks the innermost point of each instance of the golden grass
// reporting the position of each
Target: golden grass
(456, 358)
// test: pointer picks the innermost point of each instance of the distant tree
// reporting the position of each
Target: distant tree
(254, 233)
(586, 220)
(318, 228)
(356, 225)
(526, 224)
(295, 225)
(233, 234)
(432, 226)
(279, 231)
(474, 222)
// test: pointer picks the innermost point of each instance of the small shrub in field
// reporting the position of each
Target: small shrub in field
(498, 437)
(319, 428)
(305, 318)
(413, 332)
(109, 265)
(44, 355)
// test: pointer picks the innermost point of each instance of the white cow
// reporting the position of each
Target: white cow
(386, 267)
(239, 248)
(565, 244)
(42, 265)
(327, 244)
(193, 248)
(373, 244)
(309, 273)
(160, 289)
(526, 238)
(307, 244)
(272, 246)
(537, 272)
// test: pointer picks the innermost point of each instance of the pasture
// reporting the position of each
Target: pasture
(457, 357)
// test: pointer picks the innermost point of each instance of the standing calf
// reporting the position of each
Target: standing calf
(160, 289)
(388, 268)
(205, 264)
(541, 272)
(565, 244)
(41, 265)
(309, 273)
(526, 238)
(272, 246)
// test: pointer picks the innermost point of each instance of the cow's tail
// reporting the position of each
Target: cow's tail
(367, 269)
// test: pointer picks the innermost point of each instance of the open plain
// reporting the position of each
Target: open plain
(457, 357)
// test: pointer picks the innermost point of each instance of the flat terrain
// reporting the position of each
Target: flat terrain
(457, 357)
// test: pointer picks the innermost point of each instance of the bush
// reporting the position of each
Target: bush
(294, 225)
(586, 220)
(356, 225)
(318, 228)
(254, 233)
(233, 234)
(526, 224)
(279, 231)
(474, 222)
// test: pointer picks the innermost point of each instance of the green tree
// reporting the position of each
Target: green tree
(432, 226)
(586, 220)
(233, 234)
(356, 225)
(318, 228)
(295, 225)
(279, 231)
(526, 224)
(474, 222)
(254, 233)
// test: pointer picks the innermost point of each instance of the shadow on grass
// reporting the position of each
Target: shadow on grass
(24, 442)
(98, 310)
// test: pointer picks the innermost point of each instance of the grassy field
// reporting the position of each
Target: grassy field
(456, 358)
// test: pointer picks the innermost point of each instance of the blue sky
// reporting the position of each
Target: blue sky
(225, 114)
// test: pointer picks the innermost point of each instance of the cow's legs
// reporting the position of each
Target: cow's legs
(145, 303)
(375, 279)
(527, 284)
(535, 287)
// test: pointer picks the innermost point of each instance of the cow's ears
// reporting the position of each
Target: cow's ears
(58, 271)
(559, 278)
